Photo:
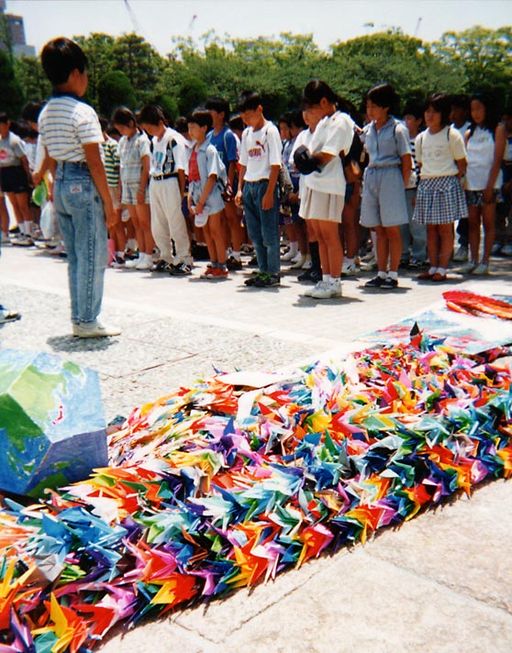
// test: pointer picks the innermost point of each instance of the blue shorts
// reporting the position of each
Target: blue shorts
(383, 203)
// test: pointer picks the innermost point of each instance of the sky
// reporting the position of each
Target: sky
(327, 20)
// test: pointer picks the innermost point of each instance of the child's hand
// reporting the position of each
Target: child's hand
(238, 198)
(267, 201)
(141, 197)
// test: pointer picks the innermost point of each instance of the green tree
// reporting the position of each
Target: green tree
(483, 57)
(140, 62)
(98, 48)
(11, 94)
(114, 90)
(32, 79)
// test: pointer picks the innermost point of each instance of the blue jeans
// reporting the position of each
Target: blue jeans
(262, 226)
(82, 224)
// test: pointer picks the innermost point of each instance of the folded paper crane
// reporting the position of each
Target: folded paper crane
(52, 428)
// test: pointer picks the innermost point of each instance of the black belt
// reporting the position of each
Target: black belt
(73, 164)
(167, 176)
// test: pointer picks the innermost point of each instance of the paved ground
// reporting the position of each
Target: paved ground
(440, 584)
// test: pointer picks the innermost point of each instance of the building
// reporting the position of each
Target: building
(12, 33)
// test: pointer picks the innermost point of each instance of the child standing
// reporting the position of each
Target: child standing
(71, 134)
(134, 174)
(321, 204)
(414, 234)
(260, 162)
(440, 200)
(485, 142)
(383, 205)
(204, 196)
(166, 190)
(14, 179)
(228, 145)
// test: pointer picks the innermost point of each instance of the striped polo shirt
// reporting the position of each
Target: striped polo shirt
(111, 161)
(66, 124)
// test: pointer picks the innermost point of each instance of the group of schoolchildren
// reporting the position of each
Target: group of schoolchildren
(317, 180)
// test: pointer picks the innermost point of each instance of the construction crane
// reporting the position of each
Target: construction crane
(133, 17)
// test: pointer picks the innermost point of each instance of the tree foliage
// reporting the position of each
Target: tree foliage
(11, 93)
(279, 67)
(114, 90)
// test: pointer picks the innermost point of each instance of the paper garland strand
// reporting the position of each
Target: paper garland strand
(203, 497)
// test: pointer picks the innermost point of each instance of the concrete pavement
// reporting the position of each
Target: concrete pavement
(441, 583)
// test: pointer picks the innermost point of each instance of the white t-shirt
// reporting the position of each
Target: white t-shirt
(480, 148)
(166, 157)
(437, 153)
(259, 151)
(332, 135)
(12, 149)
(65, 125)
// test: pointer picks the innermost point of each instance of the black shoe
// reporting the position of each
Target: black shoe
(310, 275)
(376, 282)
(233, 263)
(389, 284)
(267, 280)
(161, 266)
(253, 262)
(180, 270)
(404, 264)
(251, 281)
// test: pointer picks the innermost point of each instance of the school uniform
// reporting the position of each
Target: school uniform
(324, 190)
(131, 152)
(259, 151)
(383, 202)
(440, 198)
(205, 161)
(168, 155)
(65, 125)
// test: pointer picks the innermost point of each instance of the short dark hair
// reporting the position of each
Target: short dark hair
(218, 104)
(441, 103)
(236, 122)
(103, 123)
(151, 114)
(60, 57)
(491, 102)
(181, 125)
(296, 120)
(249, 101)
(385, 96)
(460, 101)
(123, 116)
(201, 117)
(4, 117)
(413, 108)
(315, 90)
(31, 111)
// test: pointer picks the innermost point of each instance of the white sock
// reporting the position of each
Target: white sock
(131, 244)
(441, 271)
(120, 254)
(235, 255)
(29, 225)
(432, 270)
(327, 278)
(294, 247)
(382, 274)
(335, 280)
(349, 261)
(393, 275)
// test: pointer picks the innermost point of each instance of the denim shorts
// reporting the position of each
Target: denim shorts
(476, 197)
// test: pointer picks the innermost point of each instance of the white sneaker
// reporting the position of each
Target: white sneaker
(468, 268)
(132, 263)
(145, 262)
(288, 255)
(481, 268)
(94, 330)
(309, 291)
(327, 290)
(349, 269)
(308, 263)
(297, 262)
(461, 254)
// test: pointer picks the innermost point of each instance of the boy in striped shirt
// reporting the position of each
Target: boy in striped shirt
(72, 137)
